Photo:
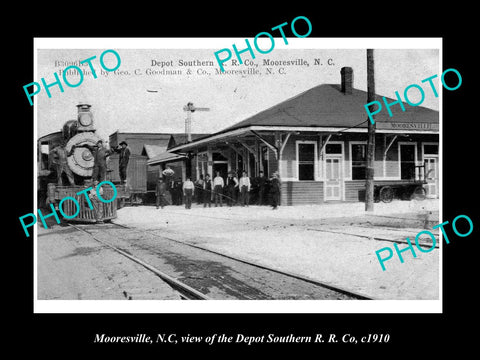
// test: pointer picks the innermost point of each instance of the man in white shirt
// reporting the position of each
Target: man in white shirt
(218, 185)
(188, 187)
(244, 185)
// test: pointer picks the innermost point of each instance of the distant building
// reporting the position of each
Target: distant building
(137, 141)
(153, 147)
(178, 162)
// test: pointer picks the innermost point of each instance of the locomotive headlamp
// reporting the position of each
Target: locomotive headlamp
(85, 119)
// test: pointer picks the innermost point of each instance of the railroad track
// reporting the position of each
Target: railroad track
(349, 293)
(190, 293)
(377, 238)
(186, 292)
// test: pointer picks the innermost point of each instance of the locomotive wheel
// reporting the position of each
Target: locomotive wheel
(386, 194)
(81, 161)
(419, 193)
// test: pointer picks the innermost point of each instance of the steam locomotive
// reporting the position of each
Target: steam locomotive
(76, 136)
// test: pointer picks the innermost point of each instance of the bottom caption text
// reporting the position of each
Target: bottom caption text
(243, 339)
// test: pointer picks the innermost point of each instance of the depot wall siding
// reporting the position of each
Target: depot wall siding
(355, 190)
(301, 192)
(289, 168)
(289, 161)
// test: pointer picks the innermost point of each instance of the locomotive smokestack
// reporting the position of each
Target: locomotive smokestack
(83, 107)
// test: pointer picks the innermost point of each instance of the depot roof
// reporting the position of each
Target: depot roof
(165, 157)
(326, 108)
(327, 105)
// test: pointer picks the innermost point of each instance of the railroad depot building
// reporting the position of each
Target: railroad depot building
(317, 141)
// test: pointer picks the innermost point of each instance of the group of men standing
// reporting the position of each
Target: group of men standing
(219, 190)
(176, 190)
(99, 152)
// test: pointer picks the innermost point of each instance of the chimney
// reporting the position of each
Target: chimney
(347, 80)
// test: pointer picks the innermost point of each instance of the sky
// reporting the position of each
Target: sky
(120, 101)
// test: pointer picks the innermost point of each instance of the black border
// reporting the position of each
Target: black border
(410, 333)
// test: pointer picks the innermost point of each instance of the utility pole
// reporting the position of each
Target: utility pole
(190, 108)
(369, 185)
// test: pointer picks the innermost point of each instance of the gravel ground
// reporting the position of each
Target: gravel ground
(313, 241)
(291, 239)
(73, 266)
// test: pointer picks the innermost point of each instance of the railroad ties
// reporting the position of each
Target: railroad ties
(301, 287)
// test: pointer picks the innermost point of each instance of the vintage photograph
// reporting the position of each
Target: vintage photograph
(161, 178)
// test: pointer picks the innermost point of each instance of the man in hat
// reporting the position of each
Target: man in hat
(244, 189)
(275, 190)
(61, 163)
(187, 188)
(261, 183)
(161, 190)
(100, 154)
(232, 185)
(199, 190)
(218, 185)
(179, 190)
(207, 191)
(123, 160)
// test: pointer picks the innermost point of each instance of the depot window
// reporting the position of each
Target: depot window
(359, 161)
(333, 149)
(430, 149)
(306, 161)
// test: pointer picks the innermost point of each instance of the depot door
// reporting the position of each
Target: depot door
(407, 161)
(431, 175)
(222, 168)
(333, 177)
